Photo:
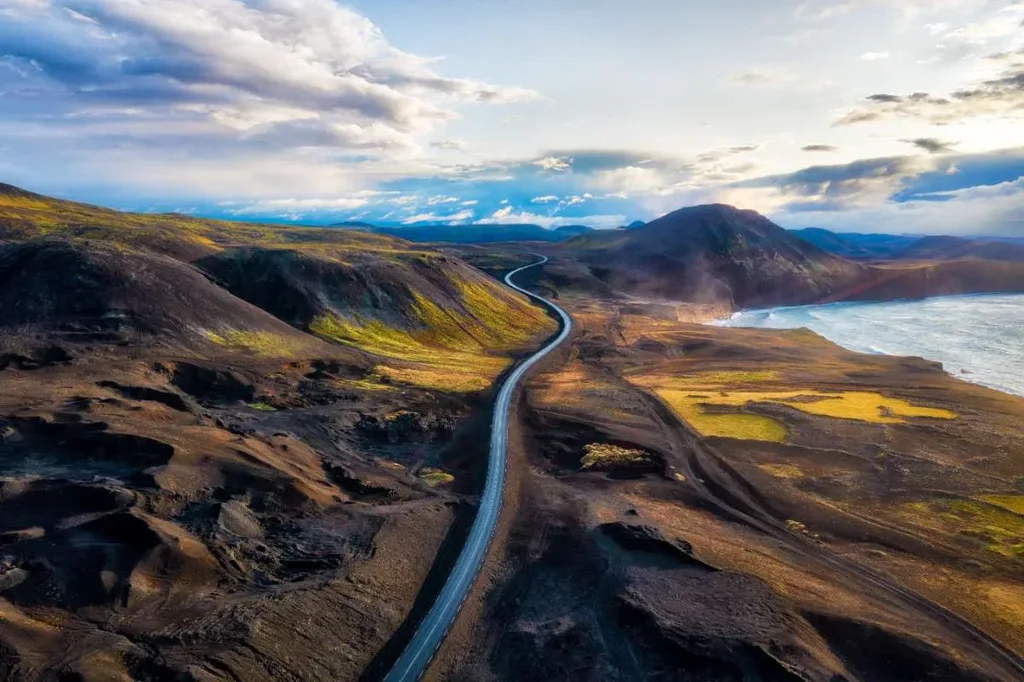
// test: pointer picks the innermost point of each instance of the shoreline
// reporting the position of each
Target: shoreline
(964, 351)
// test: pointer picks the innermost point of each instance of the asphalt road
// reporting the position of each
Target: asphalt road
(424, 644)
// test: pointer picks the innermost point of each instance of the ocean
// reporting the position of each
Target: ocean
(982, 334)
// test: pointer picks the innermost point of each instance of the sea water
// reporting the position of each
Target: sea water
(977, 338)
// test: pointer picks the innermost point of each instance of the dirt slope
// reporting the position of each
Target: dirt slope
(230, 451)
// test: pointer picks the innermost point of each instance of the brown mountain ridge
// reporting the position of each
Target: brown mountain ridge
(718, 254)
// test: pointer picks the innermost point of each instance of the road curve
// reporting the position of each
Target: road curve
(431, 632)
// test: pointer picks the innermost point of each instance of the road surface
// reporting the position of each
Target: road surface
(424, 644)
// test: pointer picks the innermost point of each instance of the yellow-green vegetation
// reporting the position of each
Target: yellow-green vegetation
(782, 470)
(24, 215)
(436, 366)
(447, 350)
(860, 405)
(800, 527)
(507, 322)
(461, 347)
(373, 336)
(997, 529)
(26, 202)
(262, 343)
(263, 406)
(455, 379)
(1014, 503)
(604, 455)
(724, 378)
(697, 396)
(739, 425)
(371, 382)
(435, 477)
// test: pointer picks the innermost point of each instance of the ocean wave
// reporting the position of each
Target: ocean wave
(979, 334)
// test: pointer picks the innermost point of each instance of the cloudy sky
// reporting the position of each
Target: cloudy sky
(858, 115)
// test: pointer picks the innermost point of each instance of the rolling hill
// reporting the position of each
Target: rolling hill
(429, 319)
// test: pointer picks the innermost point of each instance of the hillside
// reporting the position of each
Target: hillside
(86, 291)
(714, 254)
(954, 248)
(435, 320)
(855, 245)
(369, 292)
(910, 247)
(210, 431)
(732, 258)
(25, 215)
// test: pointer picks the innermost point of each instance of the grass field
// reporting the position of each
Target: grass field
(717, 403)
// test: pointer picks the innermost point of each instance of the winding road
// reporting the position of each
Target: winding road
(431, 632)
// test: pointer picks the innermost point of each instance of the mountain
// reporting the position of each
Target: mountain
(725, 256)
(912, 247)
(714, 254)
(573, 230)
(855, 245)
(635, 224)
(354, 224)
(77, 272)
(954, 248)
(480, 234)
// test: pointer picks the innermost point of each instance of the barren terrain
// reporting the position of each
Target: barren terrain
(704, 503)
(240, 452)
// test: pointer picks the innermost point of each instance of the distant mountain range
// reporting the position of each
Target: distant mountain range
(719, 254)
(913, 247)
(474, 234)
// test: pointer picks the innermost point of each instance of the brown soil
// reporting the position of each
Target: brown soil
(840, 554)
(192, 487)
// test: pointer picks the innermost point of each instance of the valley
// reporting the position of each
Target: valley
(353, 341)
(233, 451)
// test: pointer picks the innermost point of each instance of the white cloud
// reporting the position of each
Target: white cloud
(1006, 22)
(404, 200)
(764, 76)
(993, 210)
(874, 56)
(318, 204)
(507, 216)
(868, 182)
(550, 198)
(296, 209)
(632, 179)
(164, 85)
(437, 218)
(824, 10)
(554, 163)
(450, 145)
(441, 199)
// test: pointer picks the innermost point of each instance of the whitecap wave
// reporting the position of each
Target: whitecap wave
(979, 338)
